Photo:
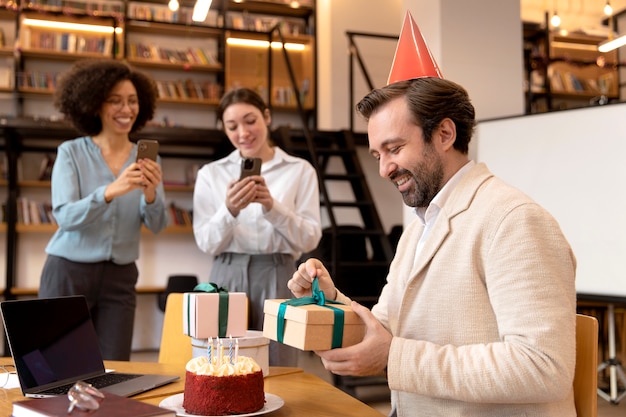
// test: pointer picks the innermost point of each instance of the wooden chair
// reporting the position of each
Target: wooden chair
(175, 345)
(586, 374)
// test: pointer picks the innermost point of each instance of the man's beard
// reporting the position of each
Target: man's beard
(427, 178)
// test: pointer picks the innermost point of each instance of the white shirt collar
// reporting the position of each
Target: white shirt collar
(429, 214)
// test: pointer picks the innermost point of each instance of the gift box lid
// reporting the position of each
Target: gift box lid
(252, 339)
(312, 313)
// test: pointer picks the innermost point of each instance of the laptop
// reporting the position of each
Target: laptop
(54, 344)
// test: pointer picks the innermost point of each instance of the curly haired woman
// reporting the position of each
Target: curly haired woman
(101, 196)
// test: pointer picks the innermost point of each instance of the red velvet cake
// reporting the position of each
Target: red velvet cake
(222, 390)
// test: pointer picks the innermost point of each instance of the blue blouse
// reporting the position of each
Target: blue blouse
(90, 229)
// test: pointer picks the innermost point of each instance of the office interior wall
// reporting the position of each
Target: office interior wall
(572, 163)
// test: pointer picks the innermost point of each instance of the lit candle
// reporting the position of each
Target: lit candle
(210, 349)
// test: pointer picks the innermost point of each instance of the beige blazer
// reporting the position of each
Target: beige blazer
(484, 319)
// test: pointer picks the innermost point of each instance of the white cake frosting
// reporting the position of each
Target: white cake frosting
(242, 366)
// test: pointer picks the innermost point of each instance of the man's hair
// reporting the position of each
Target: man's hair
(430, 100)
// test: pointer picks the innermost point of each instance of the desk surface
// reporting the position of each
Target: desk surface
(304, 394)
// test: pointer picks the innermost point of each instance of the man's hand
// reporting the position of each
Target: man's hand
(367, 358)
(302, 280)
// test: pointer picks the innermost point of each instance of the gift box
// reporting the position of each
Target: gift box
(253, 345)
(312, 326)
(214, 315)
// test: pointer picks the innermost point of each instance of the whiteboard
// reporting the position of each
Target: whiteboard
(573, 163)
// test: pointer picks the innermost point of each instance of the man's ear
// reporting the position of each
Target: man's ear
(446, 133)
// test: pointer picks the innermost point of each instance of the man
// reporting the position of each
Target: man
(477, 317)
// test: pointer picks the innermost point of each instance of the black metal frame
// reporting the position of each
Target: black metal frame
(356, 55)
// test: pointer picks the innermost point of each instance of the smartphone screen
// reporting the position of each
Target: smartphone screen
(250, 166)
(148, 149)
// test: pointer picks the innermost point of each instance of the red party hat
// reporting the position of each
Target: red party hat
(413, 58)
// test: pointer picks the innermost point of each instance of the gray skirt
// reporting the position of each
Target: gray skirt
(261, 277)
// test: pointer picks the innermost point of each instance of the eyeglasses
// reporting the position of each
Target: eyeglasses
(84, 396)
(5, 373)
(118, 103)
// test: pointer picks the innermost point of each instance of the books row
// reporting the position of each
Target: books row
(162, 13)
(180, 216)
(261, 23)
(31, 212)
(188, 88)
(179, 89)
(34, 212)
(569, 82)
(198, 56)
(44, 80)
(95, 7)
(67, 42)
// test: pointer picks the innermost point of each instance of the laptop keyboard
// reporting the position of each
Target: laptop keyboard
(100, 381)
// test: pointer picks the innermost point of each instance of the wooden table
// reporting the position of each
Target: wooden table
(304, 394)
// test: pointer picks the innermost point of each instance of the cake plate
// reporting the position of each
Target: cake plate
(175, 403)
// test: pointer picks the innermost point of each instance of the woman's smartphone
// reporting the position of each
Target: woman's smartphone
(147, 149)
(250, 166)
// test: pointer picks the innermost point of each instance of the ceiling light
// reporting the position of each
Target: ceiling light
(608, 10)
(611, 44)
(70, 26)
(264, 44)
(201, 10)
(555, 21)
(173, 5)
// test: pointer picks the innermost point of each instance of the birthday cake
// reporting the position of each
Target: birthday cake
(223, 386)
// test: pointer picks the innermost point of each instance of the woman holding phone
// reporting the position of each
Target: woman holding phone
(255, 225)
(101, 196)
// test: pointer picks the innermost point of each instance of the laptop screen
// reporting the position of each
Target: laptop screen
(51, 340)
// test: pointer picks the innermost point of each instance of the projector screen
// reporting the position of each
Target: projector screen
(573, 163)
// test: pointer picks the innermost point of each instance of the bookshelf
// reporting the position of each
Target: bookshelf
(192, 63)
(567, 70)
(29, 143)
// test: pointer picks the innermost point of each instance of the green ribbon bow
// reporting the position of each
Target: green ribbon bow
(317, 297)
(223, 304)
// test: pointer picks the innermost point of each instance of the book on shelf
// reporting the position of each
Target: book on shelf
(102, 7)
(572, 83)
(31, 212)
(35, 217)
(605, 83)
(111, 406)
(45, 168)
(6, 77)
(556, 80)
(4, 166)
(180, 216)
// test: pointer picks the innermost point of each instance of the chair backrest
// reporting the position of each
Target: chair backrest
(586, 374)
(176, 283)
(175, 345)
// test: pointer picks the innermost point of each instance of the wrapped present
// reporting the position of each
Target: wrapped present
(312, 323)
(218, 313)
